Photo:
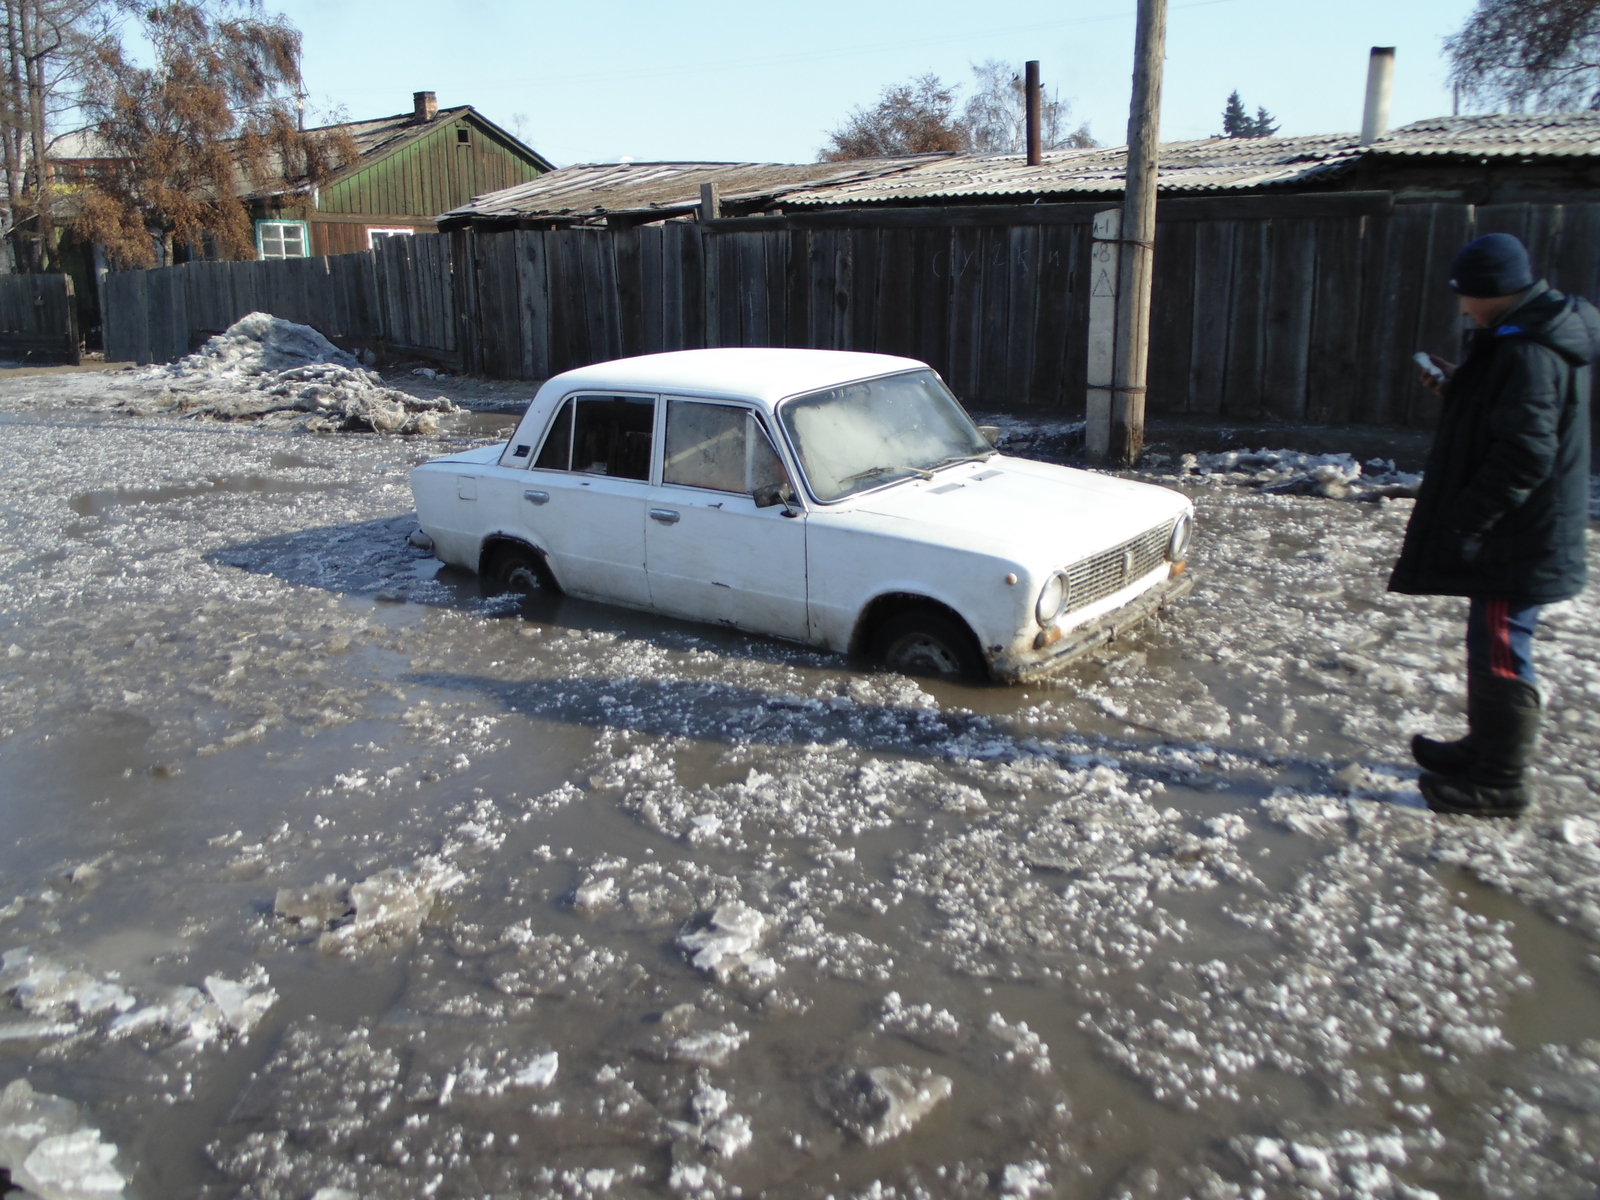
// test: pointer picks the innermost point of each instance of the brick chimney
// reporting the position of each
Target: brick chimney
(425, 106)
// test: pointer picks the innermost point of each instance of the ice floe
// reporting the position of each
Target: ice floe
(50, 1153)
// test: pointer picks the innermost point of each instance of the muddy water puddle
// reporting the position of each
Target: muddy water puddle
(549, 898)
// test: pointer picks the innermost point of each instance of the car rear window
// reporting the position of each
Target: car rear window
(601, 435)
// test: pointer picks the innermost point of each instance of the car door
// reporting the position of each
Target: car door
(713, 550)
(583, 499)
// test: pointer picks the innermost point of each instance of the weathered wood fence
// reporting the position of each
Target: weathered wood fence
(401, 293)
(38, 319)
(1295, 308)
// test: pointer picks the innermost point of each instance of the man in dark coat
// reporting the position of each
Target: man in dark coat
(1502, 511)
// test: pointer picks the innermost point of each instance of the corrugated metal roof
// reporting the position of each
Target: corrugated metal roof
(1223, 164)
(592, 191)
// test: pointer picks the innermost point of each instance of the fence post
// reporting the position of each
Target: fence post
(1104, 263)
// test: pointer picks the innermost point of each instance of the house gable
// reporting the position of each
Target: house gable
(458, 156)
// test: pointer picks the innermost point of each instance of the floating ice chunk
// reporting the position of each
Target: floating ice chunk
(34, 1031)
(49, 1152)
(241, 1007)
(317, 904)
(729, 1136)
(540, 1073)
(710, 1048)
(42, 987)
(880, 1104)
(728, 947)
(1023, 1179)
(1580, 831)
(592, 897)
(333, 1193)
(391, 906)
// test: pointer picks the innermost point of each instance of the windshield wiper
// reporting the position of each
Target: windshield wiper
(951, 460)
(870, 472)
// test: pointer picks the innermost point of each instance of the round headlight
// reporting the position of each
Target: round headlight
(1178, 543)
(1053, 597)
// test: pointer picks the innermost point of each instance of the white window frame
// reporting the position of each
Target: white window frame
(376, 231)
(305, 239)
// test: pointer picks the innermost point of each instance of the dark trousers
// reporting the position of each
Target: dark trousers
(1500, 639)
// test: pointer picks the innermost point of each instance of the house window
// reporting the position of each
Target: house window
(376, 235)
(463, 137)
(282, 239)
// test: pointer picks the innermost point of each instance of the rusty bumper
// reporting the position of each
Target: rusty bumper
(1036, 664)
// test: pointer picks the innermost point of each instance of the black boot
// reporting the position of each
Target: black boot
(1446, 758)
(1503, 716)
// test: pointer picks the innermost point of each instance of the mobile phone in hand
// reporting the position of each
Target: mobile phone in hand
(1428, 367)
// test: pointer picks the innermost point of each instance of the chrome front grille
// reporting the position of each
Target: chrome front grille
(1098, 577)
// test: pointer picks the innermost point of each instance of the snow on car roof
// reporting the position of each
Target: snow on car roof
(746, 373)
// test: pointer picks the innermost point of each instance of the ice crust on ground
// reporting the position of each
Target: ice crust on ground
(1295, 473)
(1182, 896)
(263, 367)
(49, 1151)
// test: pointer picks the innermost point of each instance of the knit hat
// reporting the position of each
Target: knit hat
(1494, 265)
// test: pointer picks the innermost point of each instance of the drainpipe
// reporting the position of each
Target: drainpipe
(1380, 84)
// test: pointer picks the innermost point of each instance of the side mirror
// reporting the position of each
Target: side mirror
(772, 494)
(991, 434)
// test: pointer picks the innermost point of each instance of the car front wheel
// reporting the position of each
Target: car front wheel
(928, 642)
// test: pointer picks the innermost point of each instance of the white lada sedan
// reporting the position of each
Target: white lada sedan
(842, 500)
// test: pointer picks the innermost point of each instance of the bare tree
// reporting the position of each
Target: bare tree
(44, 50)
(212, 115)
(1522, 53)
(910, 118)
(996, 116)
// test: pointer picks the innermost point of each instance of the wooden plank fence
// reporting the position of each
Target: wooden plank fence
(1293, 308)
(38, 319)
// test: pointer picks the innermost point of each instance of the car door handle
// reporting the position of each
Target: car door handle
(537, 497)
(665, 515)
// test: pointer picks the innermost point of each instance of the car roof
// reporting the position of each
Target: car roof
(761, 374)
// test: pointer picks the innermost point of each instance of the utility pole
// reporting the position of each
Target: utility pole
(1126, 433)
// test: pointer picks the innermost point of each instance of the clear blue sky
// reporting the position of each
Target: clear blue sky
(594, 82)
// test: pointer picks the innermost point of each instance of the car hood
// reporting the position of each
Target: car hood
(1039, 513)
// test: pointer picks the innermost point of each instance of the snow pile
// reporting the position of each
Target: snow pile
(266, 367)
(48, 1150)
(1294, 473)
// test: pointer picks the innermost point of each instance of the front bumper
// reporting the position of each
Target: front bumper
(1036, 664)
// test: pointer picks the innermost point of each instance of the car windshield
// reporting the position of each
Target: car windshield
(866, 434)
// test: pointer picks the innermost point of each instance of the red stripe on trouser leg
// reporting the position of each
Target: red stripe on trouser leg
(1500, 659)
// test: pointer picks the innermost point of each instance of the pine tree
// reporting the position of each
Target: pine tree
(1235, 121)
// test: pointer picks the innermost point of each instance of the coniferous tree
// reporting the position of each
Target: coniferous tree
(1235, 120)
(1238, 123)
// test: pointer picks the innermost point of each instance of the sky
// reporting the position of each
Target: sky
(601, 81)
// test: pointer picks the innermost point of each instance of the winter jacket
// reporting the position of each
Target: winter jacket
(1504, 501)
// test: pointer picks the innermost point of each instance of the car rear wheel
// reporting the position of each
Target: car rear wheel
(923, 641)
(516, 569)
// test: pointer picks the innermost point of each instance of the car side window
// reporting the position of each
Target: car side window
(720, 447)
(601, 435)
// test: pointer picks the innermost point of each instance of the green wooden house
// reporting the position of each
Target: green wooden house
(413, 167)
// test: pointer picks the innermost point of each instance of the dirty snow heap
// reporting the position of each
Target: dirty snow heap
(264, 367)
